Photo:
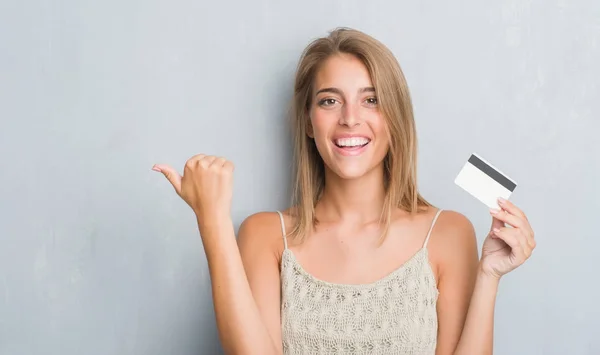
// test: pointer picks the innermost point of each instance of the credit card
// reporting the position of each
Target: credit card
(484, 181)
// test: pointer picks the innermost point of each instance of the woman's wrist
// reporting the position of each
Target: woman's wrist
(487, 277)
(218, 238)
(215, 226)
(213, 221)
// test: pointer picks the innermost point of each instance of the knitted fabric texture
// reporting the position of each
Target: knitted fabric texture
(393, 315)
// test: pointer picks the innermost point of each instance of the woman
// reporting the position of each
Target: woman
(362, 263)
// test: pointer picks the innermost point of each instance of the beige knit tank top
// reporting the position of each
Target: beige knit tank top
(393, 315)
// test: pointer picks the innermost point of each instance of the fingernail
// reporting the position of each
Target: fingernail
(494, 211)
(501, 200)
(155, 169)
(496, 230)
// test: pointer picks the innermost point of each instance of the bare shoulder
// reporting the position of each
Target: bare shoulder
(260, 245)
(261, 231)
(453, 240)
(455, 227)
(454, 255)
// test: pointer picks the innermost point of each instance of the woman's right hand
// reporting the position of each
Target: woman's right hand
(206, 186)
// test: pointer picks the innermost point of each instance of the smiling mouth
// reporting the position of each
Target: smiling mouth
(351, 143)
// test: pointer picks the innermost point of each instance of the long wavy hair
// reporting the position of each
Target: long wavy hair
(400, 162)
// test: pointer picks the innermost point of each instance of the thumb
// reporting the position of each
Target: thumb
(171, 174)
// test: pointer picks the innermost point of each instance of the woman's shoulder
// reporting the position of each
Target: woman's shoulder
(262, 230)
(445, 222)
(452, 238)
(267, 221)
(453, 223)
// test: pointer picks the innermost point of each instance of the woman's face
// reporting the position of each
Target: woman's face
(347, 126)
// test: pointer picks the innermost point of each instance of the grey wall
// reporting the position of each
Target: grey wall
(99, 256)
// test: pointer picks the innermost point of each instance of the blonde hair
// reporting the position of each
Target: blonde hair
(400, 163)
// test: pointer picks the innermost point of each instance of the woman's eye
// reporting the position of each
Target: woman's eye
(372, 101)
(327, 102)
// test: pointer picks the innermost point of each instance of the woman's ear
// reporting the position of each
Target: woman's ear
(309, 130)
(309, 127)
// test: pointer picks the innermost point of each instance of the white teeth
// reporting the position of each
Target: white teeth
(351, 142)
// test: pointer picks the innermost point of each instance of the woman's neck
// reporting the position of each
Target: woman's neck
(360, 200)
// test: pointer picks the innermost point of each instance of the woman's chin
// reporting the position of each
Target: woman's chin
(352, 172)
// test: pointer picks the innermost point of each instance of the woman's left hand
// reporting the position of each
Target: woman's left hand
(507, 247)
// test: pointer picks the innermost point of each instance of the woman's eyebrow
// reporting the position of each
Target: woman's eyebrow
(339, 92)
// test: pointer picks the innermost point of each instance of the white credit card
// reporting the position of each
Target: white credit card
(484, 181)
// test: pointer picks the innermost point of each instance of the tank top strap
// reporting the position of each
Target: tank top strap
(283, 230)
(431, 228)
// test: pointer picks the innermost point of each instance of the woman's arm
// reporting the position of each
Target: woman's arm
(239, 314)
(453, 249)
(504, 249)
(508, 245)
(206, 187)
(261, 245)
(478, 333)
